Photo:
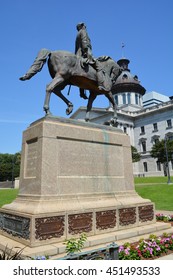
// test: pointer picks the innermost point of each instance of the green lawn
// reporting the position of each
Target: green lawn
(7, 196)
(147, 180)
(154, 188)
(157, 190)
(161, 195)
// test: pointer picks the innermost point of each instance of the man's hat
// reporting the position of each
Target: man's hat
(80, 24)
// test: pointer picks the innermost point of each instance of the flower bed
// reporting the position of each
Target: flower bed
(151, 248)
(164, 218)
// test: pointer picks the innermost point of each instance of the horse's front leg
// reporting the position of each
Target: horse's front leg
(49, 89)
(46, 103)
(92, 97)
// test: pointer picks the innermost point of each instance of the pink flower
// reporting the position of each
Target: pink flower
(127, 251)
(121, 248)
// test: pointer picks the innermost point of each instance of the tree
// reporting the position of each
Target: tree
(135, 155)
(163, 152)
(9, 166)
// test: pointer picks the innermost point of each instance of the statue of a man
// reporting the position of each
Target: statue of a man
(83, 43)
(83, 48)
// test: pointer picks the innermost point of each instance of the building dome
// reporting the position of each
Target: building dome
(127, 82)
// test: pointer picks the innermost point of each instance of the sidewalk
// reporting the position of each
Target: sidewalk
(164, 212)
(168, 257)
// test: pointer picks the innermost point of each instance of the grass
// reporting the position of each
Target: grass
(154, 188)
(152, 180)
(161, 195)
(157, 190)
(7, 196)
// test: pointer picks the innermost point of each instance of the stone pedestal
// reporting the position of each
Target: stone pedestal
(75, 177)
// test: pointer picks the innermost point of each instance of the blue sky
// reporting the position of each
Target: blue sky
(145, 27)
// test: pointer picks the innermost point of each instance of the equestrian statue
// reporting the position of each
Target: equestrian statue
(78, 69)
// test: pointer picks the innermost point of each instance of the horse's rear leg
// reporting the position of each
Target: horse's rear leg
(91, 99)
(49, 89)
(114, 106)
(110, 97)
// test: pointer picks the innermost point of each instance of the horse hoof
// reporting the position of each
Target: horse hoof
(114, 122)
(24, 78)
(47, 114)
(47, 111)
(69, 110)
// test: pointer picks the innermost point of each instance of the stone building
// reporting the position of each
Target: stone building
(145, 117)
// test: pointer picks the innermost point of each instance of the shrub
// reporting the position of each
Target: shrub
(75, 245)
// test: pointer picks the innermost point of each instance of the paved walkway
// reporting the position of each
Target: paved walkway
(167, 257)
(164, 212)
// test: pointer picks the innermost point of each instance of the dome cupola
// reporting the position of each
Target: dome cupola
(127, 82)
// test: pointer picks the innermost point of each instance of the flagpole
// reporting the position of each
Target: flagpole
(122, 47)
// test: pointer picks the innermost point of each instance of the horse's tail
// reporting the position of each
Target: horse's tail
(37, 65)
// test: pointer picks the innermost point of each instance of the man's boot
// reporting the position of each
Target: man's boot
(82, 93)
(101, 79)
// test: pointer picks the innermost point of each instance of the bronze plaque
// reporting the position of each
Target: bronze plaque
(15, 225)
(79, 223)
(146, 213)
(49, 227)
(127, 216)
(106, 219)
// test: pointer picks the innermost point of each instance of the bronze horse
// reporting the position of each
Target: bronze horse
(66, 68)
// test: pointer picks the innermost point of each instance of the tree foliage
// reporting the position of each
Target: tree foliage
(135, 155)
(159, 150)
(9, 166)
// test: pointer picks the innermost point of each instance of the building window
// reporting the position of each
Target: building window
(142, 130)
(172, 164)
(116, 99)
(156, 140)
(158, 165)
(136, 99)
(155, 128)
(129, 98)
(169, 136)
(169, 123)
(125, 76)
(145, 166)
(124, 98)
(143, 144)
(125, 129)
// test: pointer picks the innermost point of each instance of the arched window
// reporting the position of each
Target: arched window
(145, 166)
(169, 135)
